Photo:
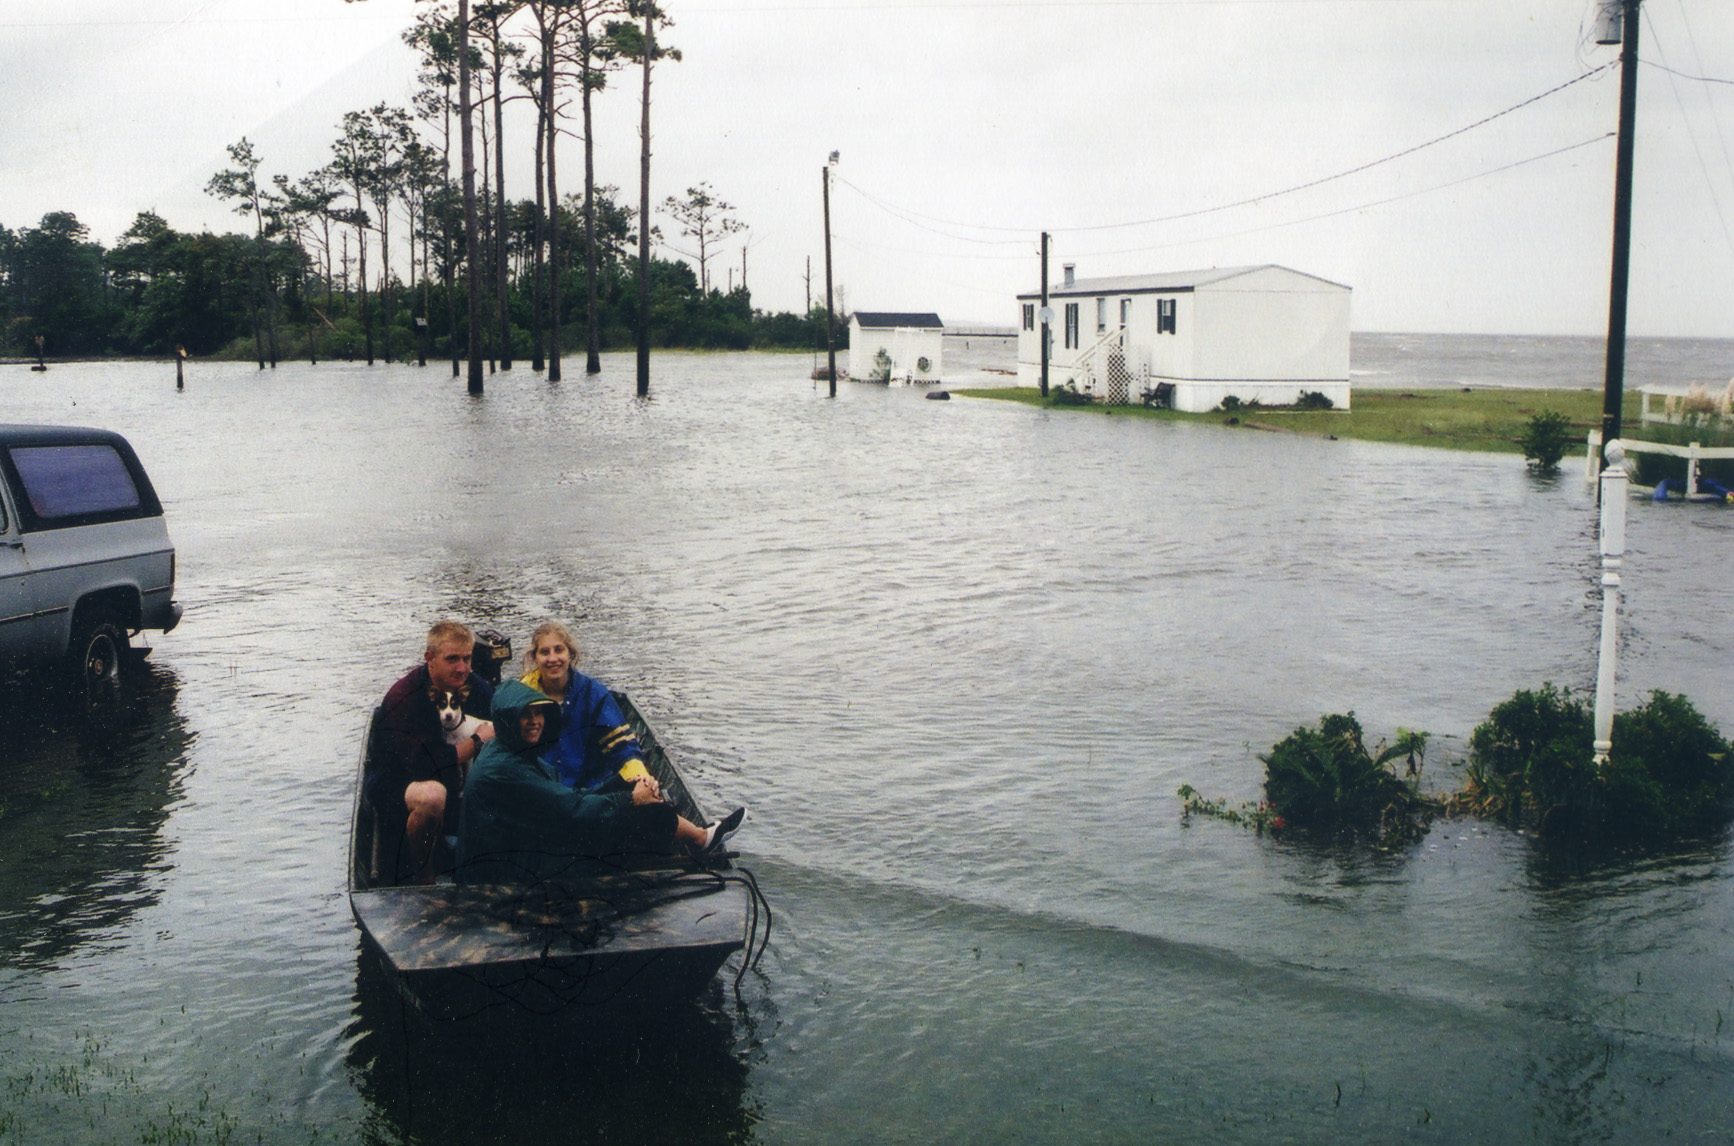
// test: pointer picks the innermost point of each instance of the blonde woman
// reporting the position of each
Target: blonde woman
(596, 750)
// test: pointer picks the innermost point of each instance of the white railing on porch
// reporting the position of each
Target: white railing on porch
(1108, 376)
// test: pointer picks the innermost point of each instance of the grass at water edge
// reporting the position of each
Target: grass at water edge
(1489, 419)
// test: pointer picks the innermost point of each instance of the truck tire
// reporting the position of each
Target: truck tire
(94, 661)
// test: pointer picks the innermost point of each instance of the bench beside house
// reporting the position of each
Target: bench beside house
(1262, 333)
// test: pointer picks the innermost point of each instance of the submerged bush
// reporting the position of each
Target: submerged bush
(1669, 771)
(1325, 777)
(1067, 395)
(1545, 440)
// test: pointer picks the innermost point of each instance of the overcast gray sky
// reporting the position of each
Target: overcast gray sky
(965, 128)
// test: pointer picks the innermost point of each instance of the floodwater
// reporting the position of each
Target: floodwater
(956, 657)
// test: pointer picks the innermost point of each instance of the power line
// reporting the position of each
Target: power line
(1358, 206)
(910, 216)
(1676, 72)
(1022, 256)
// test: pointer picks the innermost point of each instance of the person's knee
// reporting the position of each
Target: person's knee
(426, 798)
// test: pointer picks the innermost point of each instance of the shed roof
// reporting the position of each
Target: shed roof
(1171, 282)
(891, 320)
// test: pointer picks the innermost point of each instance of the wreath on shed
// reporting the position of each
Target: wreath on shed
(923, 365)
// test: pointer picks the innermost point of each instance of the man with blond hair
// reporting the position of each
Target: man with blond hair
(415, 777)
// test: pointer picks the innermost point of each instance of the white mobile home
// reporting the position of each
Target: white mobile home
(1265, 334)
(895, 347)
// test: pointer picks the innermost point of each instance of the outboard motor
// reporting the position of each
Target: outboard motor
(491, 652)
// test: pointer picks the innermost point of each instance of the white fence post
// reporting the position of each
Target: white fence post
(1613, 549)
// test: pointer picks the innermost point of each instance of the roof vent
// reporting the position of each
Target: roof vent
(1071, 273)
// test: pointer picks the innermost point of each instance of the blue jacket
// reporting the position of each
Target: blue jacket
(595, 743)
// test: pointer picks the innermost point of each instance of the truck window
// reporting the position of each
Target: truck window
(75, 481)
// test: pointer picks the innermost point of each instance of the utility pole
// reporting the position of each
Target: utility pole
(830, 315)
(1046, 315)
(1613, 390)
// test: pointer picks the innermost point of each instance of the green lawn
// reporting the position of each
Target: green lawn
(1476, 419)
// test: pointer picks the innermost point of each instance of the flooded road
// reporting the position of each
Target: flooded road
(956, 657)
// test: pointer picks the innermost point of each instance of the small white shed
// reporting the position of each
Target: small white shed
(1264, 333)
(895, 347)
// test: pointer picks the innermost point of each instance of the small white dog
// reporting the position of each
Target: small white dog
(456, 726)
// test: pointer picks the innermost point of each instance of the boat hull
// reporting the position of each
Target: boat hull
(653, 928)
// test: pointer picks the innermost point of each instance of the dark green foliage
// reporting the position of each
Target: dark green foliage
(1067, 395)
(1325, 777)
(1314, 400)
(1669, 773)
(1545, 440)
(1531, 758)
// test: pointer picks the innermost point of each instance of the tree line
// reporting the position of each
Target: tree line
(477, 274)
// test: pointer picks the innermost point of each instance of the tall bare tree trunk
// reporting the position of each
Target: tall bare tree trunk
(553, 213)
(539, 265)
(501, 266)
(644, 213)
(593, 326)
(466, 131)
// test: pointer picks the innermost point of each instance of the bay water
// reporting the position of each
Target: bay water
(956, 657)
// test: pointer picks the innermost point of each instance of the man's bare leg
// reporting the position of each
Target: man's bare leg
(425, 801)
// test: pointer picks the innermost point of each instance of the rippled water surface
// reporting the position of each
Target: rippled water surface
(956, 657)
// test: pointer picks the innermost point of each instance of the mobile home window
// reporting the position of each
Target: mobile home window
(1125, 311)
(1165, 316)
(1029, 316)
(1101, 316)
(1072, 326)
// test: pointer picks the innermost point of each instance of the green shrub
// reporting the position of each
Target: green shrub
(1669, 772)
(881, 366)
(1314, 400)
(1545, 441)
(1325, 777)
(1067, 395)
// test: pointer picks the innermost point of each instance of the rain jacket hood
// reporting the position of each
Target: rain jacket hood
(509, 705)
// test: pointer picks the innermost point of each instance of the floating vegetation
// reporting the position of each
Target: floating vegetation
(1531, 765)
(1260, 817)
(1669, 774)
(1325, 779)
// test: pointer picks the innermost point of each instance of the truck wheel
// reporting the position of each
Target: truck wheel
(96, 653)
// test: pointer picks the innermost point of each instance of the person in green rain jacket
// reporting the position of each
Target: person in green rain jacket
(521, 825)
